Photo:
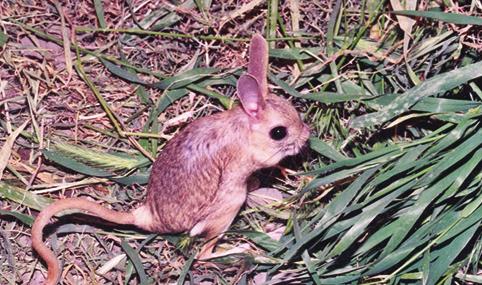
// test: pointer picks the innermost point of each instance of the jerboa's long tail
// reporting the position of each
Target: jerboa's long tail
(53, 265)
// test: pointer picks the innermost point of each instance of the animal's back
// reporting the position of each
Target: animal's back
(185, 177)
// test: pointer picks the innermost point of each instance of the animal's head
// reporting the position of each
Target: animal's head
(275, 127)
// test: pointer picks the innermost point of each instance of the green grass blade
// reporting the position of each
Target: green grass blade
(435, 85)
(369, 213)
(325, 149)
(261, 239)
(185, 270)
(184, 79)
(122, 73)
(442, 16)
(26, 219)
(87, 161)
(3, 38)
(99, 12)
(23, 197)
(311, 268)
(136, 260)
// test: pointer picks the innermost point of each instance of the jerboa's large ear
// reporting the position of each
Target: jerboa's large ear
(250, 95)
(258, 62)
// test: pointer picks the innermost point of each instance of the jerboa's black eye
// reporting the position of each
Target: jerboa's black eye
(278, 133)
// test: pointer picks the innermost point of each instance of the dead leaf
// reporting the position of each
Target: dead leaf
(45, 177)
(275, 231)
(240, 248)
(242, 10)
(264, 196)
(260, 278)
(42, 49)
(405, 23)
(66, 40)
(110, 264)
(7, 147)
(404, 118)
